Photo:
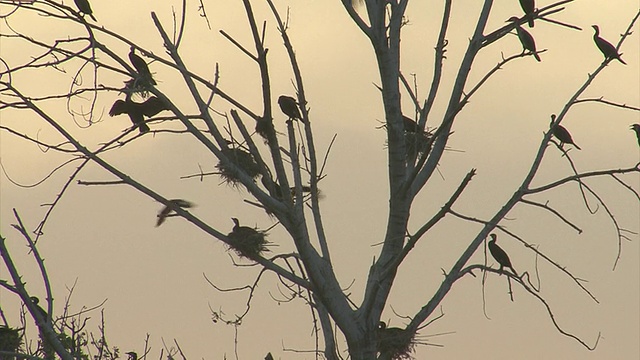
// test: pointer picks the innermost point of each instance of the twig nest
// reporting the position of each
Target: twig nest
(10, 339)
(395, 342)
(241, 159)
(247, 242)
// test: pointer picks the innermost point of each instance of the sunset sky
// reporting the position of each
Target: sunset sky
(103, 238)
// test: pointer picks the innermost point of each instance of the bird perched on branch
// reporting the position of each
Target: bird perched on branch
(85, 8)
(141, 66)
(133, 110)
(562, 134)
(500, 255)
(528, 6)
(42, 312)
(526, 39)
(152, 106)
(289, 107)
(608, 50)
(636, 128)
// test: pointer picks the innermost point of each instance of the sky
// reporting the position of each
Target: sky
(103, 239)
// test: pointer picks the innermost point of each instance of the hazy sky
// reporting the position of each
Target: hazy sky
(104, 237)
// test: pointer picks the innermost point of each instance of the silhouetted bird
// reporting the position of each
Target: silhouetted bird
(134, 111)
(527, 41)
(289, 107)
(500, 255)
(608, 50)
(636, 128)
(42, 312)
(168, 209)
(528, 6)
(562, 134)
(132, 355)
(152, 106)
(409, 124)
(242, 231)
(141, 66)
(85, 8)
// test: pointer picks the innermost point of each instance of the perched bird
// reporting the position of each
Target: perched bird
(152, 106)
(562, 134)
(42, 312)
(242, 231)
(141, 66)
(636, 128)
(527, 41)
(289, 107)
(132, 355)
(528, 6)
(168, 209)
(132, 109)
(409, 124)
(500, 255)
(608, 50)
(85, 8)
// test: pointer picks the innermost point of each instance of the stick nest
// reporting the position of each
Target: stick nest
(248, 242)
(395, 342)
(241, 159)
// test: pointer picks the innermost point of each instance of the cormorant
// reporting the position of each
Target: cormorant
(289, 107)
(409, 124)
(636, 128)
(527, 41)
(562, 134)
(152, 106)
(528, 6)
(242, 231)
(132, 109)
(500, 255)
(164, 213)
(42, 312)
(85, 8)
(608, 50)
(141, 66)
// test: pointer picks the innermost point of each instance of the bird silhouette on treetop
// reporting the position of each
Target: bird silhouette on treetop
(608, 50)
(526, 39)
(289, 107)
(141, 66)
(636, 128)
(529, 7)
(562, 134)
(85, 8)
(500, 255)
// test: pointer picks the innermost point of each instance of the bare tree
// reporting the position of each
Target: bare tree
(283, 169)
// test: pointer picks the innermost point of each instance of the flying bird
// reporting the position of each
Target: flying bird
(85, 8)
(500, 255)
(528, 6)
(169, 208)
(526, 39)
(141, 66)
(562, 134)
(636, 128)
(608, 50)
(289, 107)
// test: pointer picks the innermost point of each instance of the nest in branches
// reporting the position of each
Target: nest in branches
(241, 159)
(248, 242)
(394, 342)
(10, 339)
(417, 141)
